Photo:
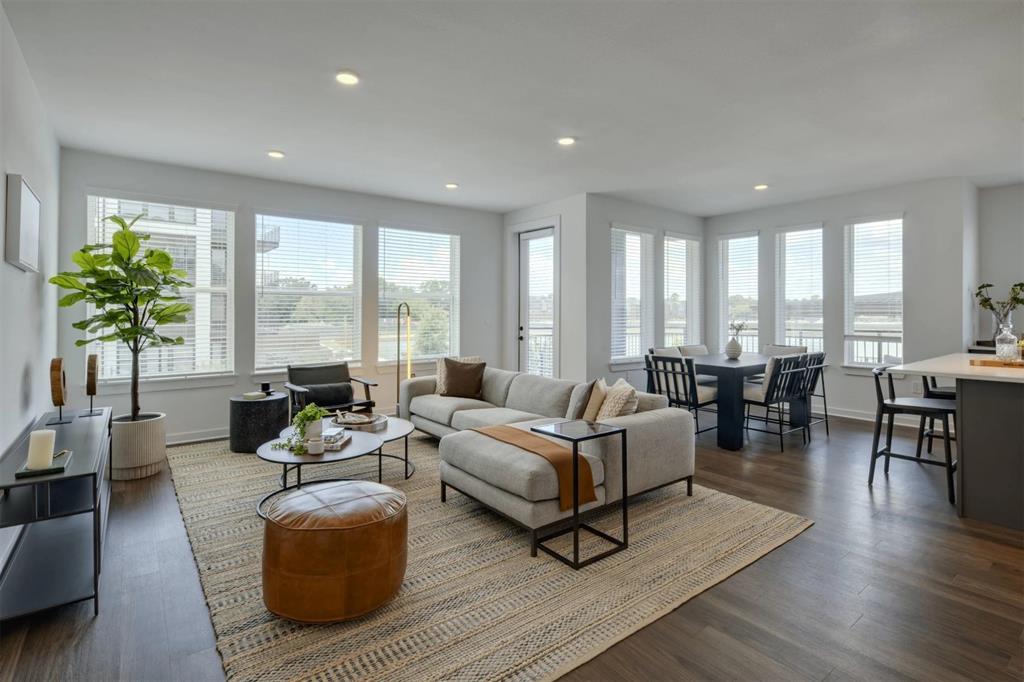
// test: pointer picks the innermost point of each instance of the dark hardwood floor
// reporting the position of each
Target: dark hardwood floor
(888, 584)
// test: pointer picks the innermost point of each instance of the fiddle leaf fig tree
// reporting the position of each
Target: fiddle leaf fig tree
(131, 292)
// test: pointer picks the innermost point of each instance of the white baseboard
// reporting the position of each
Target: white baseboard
(866, 416)
(183, 437)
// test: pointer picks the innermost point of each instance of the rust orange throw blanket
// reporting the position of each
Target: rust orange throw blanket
(560, 458)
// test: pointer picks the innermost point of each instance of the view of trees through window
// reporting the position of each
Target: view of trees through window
(308, 293)
(800, 312)
(421, 269)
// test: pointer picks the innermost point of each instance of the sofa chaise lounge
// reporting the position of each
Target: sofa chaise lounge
(522, 486)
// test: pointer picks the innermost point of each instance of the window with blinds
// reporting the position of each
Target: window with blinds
(873, 317)
(632, 293)
(738, 290)
(308, 291)
(799, 309)
(421, 269)
(682, 290)
(200, 241)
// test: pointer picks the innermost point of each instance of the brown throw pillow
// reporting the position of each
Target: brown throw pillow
(464, 379)
(441, 379)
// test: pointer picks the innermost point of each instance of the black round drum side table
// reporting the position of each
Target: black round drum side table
(254, 422)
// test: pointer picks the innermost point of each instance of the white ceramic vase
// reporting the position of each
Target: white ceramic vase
(315, 430)
(733, 349)
(139, 448)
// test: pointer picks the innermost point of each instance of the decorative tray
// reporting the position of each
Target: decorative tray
(360, 422)
(991, 362)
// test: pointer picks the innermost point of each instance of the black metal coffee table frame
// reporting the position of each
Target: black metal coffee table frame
(578, 432)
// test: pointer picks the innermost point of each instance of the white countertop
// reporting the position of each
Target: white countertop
(958, 366)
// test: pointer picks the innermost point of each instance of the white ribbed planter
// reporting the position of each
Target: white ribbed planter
(139, 448)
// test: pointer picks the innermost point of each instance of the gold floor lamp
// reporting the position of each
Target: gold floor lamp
(408, 350)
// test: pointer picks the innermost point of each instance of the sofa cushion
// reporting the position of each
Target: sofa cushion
(507, 467)
(463, 379)
(494, 416)
(495, 385)
(441, 372)
(621, 400)
(578, 400)
(440, 408)
(650, 401)
(540, 395)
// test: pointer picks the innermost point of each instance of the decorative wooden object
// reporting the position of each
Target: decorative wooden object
(989, 362)
(58, 390)
(91, 374)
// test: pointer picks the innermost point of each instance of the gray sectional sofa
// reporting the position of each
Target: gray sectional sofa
(519, 484)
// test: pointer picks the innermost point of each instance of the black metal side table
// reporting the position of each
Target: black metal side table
(254, 422)
(576, 432)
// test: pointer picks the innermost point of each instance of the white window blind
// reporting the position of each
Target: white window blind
(422, 269)
(200, 241)
(738, 290)
(308, 291)
(632, 293)
(799, 313)
(874, 292)
(682, 290)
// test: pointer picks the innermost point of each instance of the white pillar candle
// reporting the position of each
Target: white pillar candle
(40, 449)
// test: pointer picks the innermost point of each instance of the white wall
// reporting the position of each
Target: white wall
(1001, 247)
(569, 218)
(28, 337)
(28, 330)
(934, 278)
(199, 408)
(602, 212)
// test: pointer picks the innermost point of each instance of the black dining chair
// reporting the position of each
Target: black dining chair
(925, 408)
(674, 377)
(785, 379)
(816, 381)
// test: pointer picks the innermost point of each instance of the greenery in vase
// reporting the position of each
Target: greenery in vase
(737, 327)
(307, 415)
(131, 292)
(1001, 309)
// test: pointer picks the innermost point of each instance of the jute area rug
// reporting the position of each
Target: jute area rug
(474, 605)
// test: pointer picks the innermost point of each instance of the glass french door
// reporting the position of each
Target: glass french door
(538, 303)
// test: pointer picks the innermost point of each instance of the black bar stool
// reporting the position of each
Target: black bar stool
(933, 390)
(925, 408)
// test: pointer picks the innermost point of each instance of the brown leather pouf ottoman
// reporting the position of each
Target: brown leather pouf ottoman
(334, 550)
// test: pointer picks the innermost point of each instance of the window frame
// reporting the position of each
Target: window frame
(648, 294)
(694, 289)
(359, 253)
(849, 335)
(455, 275)
(780, 281)
(723, 288)
(120, 384)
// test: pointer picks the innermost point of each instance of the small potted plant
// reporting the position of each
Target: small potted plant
(131, 292)
(733, 349)
(1002, 311)
(308, 426)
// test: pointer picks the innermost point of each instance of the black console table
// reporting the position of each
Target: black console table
(62, 519)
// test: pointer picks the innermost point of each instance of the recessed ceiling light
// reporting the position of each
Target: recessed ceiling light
(275, 154)
(760, 188)
(567, 141)
(451, 185)
(347, 77)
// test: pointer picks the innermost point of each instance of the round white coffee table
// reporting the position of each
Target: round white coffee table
(396, 428)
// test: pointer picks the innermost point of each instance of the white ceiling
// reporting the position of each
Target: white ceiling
(683, 105)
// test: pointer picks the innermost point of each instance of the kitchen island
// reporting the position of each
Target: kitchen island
(990, 435)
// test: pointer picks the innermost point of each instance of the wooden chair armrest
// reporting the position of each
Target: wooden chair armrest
(296, 389)
(364, 382)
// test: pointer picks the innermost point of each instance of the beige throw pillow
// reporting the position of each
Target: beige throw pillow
(621, 400)
(441, 374)
(597, 394)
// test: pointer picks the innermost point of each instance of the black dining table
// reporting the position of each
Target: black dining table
(731, 376)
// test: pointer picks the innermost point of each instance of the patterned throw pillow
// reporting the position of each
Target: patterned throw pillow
(442, 375)
(621, 400)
